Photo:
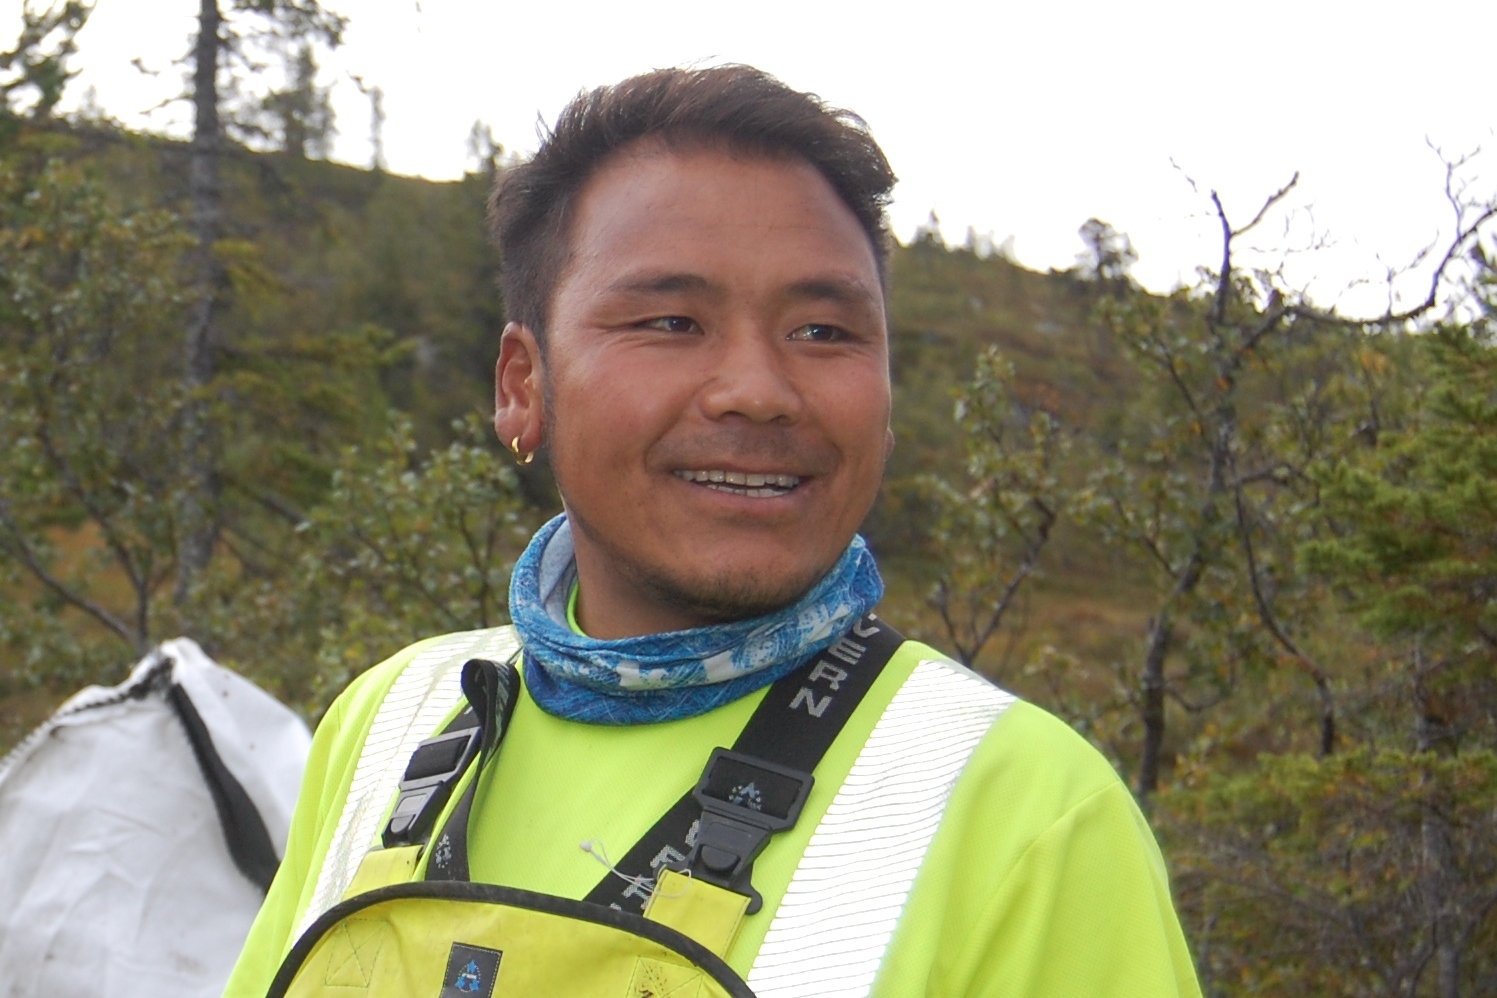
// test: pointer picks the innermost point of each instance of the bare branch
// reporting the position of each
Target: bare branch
(1276, 630)
(1023, 571)
(28, 557)
(286, 510)
(1268, 204)
(105, 522)
(1224, 278)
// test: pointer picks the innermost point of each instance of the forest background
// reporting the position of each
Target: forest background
(1245, 545)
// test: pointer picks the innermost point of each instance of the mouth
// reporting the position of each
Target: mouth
(743, 483)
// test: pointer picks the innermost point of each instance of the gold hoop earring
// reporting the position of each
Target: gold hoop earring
(514, 445)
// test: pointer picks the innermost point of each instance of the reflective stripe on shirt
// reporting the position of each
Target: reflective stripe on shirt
(416, 705)
(835, 921)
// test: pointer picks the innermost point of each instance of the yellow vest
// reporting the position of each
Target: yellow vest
(395, 937)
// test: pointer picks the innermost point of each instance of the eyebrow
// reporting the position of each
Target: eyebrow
(658, 284)
(835, 288)
(840, 290)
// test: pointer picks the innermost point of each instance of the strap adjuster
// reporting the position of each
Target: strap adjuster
(744, 801)
(427, 784)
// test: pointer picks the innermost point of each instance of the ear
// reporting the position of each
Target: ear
(518, 401)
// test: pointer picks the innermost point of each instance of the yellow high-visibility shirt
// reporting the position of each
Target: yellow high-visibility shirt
(1042, 881)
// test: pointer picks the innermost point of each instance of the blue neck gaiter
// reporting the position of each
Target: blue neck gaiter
(662, 677)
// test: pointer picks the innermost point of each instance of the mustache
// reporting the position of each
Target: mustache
(758, 448)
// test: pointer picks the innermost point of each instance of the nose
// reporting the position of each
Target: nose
(752, 376)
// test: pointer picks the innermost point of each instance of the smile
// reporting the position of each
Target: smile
(742, 483)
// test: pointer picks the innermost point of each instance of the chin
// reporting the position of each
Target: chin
(724, 599)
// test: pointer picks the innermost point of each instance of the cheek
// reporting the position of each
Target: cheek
(860, 409)
(609, 418)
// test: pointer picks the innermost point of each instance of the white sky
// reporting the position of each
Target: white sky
(1017, 119)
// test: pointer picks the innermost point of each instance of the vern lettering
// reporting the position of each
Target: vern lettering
(814, 707)
(829, 672)
(824, 671)
(847, 650)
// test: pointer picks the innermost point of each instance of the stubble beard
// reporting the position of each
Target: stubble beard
(720, 598)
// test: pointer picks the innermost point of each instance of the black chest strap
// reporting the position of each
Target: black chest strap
(791, 729)
(717, 828)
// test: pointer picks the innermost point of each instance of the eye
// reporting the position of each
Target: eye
(819, 332)
(673, 324)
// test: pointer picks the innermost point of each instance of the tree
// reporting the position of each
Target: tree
(1317, 876)
(302, 112)
(270, 19)
(89, 442)
(1413, 551)
(1109, 253)
(1413, 544)
(1236, 406)
(1371, 872)
(376, 95)
(484, 150)
(39, 61)
(990, 533)
(402, 544)
(338, 537)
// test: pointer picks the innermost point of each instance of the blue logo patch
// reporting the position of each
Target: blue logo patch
(471, 971)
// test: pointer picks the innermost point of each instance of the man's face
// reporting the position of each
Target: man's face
(717, 367)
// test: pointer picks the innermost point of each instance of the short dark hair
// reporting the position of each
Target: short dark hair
(741, 108)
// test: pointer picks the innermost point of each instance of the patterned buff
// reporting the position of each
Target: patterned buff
(662, 677)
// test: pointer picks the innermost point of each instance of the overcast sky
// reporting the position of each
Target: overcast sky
(1017, 119)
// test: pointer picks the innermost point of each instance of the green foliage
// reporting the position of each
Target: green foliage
(1417, 549)
(87, 428)
(302, 111)
(1109, 253)
(1339, 876)
(92, 467)
(1240, 390)
(403, 545)
(988, 535)
(39, 60)
(1411, 542)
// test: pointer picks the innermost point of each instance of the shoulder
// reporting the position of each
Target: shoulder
(1044, 872)
(362, 746)
(414, 675)
(1026, 775)
(1026, 749)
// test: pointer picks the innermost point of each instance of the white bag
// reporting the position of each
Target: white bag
(139, 826)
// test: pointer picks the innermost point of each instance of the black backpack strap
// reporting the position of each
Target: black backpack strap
(439, 762)
(791, 729)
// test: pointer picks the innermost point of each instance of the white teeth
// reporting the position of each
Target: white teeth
(754, 484)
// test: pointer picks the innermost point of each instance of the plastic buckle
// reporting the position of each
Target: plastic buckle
(744, 802)
(427, 784)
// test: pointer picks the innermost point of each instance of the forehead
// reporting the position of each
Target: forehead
(713, 209)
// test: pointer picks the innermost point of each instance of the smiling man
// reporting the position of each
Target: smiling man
(720, 774)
